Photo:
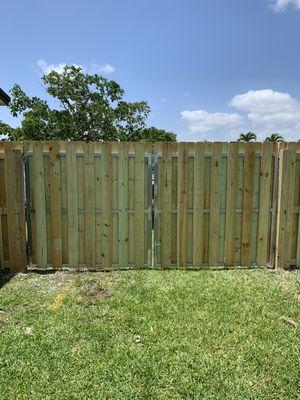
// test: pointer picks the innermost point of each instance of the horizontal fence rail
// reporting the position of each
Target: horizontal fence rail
(135, 205)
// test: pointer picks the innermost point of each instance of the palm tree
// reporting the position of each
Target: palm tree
(247, 137)
(275, 137)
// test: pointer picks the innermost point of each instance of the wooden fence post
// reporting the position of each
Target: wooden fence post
(14, 184)
(286, 182)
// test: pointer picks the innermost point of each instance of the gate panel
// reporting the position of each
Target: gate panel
(90, 204)
(214, 204)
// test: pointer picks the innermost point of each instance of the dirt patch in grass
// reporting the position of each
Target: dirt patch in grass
(2, 318)
(94, 291)
(289, 281)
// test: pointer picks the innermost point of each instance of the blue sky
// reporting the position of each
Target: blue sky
(209, 69)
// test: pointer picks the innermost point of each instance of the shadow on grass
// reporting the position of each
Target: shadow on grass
(5, 278)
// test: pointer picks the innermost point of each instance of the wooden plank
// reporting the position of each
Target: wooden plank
(295, 229)
(223, 195)
(98, 202)
(181, 205)
(189, 202)
(80, 201)
(64, 205)
(10, 202)
(247, 204)
(298, 230)
(214, 217)
(198, 233)
(165, 201)
(2, 205)
(231, 193)
(115, 203)
(1, 243)
(139, 204)
(14, 186)
(174, 197)
(123, 203)
(131, 203)
(148, 196)
(207, 175)
(55, 201)
(89, 206)
(285, 205)
(255, 202)
(72, 201)
(157, 190)
(39, 203)
(264, 203)
(107, 231)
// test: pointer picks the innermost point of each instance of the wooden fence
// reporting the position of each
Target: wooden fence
(135, 205)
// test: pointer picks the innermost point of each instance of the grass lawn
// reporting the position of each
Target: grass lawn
(151, 335)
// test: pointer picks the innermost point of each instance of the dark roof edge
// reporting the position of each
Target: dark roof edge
(4, 97)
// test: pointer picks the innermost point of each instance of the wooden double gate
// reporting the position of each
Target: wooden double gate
(135, 205)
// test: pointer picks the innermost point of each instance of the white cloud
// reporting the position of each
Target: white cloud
(94, 68)
(273, 110)
(201, 121)
(102, 69)
(164, 100)
(46, 68)
(262, 111)
(281, 5)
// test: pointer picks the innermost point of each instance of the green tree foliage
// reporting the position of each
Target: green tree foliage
(247, 137)
(91, 108)
(275, 137)
(153, 134)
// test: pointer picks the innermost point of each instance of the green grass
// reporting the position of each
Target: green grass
(150, 335)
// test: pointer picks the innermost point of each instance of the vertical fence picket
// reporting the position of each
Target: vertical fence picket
(39, 202)
(298, 206)
(55, 202)
(247, 204)
(89, 206)
(107, 231)
(214, 215)
(295, 224)
(14, 185)
(165, 215)
(2, 206)
(231, 192)
(123, 203)
(72, 201)
(139, 205)
(285, 207)
(198, 237)
(181, 205)
(264, 203)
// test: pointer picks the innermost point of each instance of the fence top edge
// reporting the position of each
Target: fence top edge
(2, 142)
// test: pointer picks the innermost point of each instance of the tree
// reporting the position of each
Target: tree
(153, 134)
(91, 108)
(275, 137)
(247, 137)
